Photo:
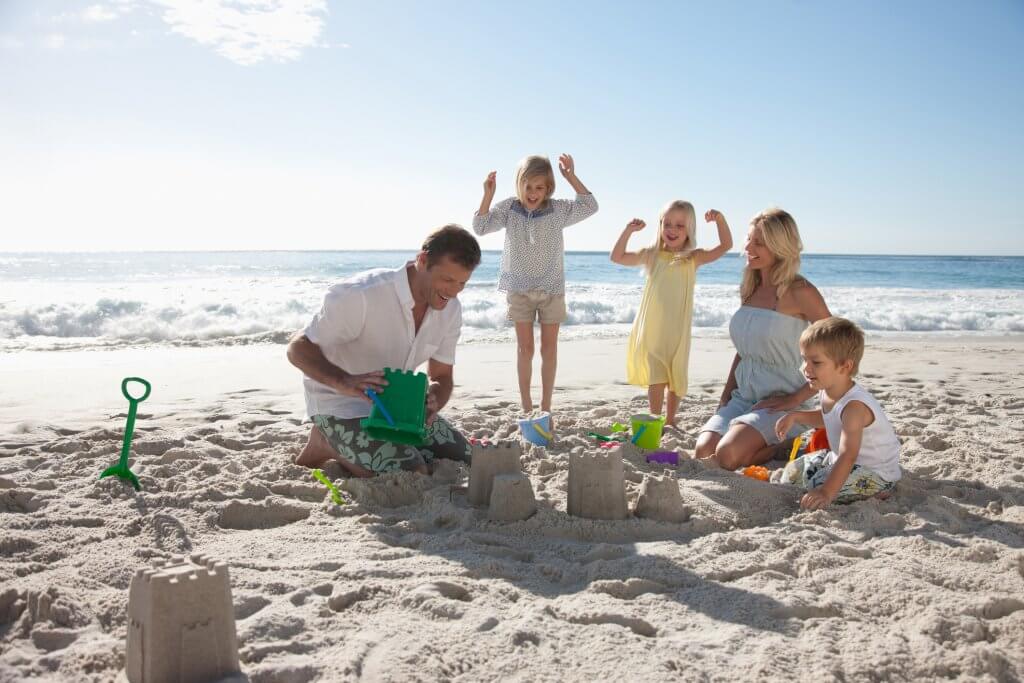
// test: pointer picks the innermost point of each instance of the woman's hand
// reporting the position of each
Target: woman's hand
(778, 403)
(490, 183)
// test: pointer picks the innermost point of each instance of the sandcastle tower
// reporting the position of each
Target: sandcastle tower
(597, 486)
(486, 462)
(512, 498)
(181, 622)
(659, 499)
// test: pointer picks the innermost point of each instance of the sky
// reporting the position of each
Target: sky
(883, 128)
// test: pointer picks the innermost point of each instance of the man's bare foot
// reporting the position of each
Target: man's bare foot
(317, 450)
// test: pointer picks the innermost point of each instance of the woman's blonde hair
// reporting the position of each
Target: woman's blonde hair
(649, 254)
(781, 236)
(531, 167)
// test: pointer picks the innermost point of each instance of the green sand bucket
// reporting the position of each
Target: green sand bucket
(405, 401)
(647, 431)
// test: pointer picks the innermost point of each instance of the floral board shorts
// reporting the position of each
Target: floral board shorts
(811, 470)
(349, 440)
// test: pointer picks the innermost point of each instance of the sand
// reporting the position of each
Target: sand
(409, 582)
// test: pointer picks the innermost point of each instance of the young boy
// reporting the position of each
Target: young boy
(864, 457)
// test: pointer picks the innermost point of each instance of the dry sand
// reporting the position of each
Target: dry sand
(408, 582)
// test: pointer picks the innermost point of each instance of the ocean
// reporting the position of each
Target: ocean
(55, 301)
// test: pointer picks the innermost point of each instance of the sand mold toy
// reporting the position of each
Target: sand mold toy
(537, 430)
(647, 430)
(399, 412)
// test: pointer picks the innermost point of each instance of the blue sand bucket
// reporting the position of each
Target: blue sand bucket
(536, 430)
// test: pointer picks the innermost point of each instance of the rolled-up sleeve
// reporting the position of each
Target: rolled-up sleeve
(572, 211)
(445, 352)
(340, 318)
(494, 220)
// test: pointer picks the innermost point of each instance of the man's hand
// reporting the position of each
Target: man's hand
(816, 499)
(566, 166)
(356, 385)
(432, 408)
(784, 424)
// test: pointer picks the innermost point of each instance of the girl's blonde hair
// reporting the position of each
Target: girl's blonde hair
(781, 236)
(531, 167)
(649, 255)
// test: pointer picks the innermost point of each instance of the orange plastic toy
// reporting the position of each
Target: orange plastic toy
(756, 472)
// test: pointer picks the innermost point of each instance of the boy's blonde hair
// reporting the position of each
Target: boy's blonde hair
(781, 236)
(531, 167)
(648, 255)
(840, 339)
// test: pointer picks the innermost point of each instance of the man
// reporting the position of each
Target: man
(385, 318)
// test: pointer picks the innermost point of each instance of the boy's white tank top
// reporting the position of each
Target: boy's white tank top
(879, 446)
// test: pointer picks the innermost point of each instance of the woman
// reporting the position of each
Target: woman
(765, 380)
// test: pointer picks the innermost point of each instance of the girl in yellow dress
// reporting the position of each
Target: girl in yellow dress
(659, 345)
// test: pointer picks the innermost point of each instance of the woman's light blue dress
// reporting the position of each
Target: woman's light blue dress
(768, 344)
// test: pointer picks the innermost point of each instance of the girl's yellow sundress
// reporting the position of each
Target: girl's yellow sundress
(659, 345)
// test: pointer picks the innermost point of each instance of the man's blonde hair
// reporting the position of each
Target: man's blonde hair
(531, 167)
(781, 236)
(840, 340)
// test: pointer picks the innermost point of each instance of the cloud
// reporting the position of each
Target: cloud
(248, 31)
(54, 41)
(95, 14)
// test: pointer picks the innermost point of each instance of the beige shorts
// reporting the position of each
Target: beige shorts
(525, 307)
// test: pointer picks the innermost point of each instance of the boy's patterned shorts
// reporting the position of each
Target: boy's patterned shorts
(349, 440)
(811, 470)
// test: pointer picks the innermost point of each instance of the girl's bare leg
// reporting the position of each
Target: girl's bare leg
(548, 362)
(656, 397)
(524, 363)
(670, 410)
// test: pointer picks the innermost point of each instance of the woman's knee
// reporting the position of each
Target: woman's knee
(706, 444)
(525, 349)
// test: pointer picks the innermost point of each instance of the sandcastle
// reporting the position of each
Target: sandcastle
(659, 499)
(496, 480)
(181, 622)
(597, 486)
(512, 498)
(487, 461)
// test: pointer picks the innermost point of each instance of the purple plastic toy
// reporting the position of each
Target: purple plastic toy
(664, 457)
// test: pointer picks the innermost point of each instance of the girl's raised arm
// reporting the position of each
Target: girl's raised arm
(702, 256)
(619, 254)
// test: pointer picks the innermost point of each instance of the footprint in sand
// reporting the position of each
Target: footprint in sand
(248, 605)
(19, 500)
(342, 601)
(246, 516)
(934, 443)
(630, 589)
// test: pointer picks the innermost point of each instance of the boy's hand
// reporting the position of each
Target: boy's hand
(635, 225)
(490, 183)
(713, 216)
(783, 425)
(567, 166)
(816, 499)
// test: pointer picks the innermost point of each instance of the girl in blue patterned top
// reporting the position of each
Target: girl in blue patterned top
(532, 268)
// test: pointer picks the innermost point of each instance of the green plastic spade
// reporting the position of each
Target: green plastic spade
(335, 493)
(121, 470)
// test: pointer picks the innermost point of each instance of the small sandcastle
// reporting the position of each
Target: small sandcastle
(659, 499)
(181, 622)
(597, 486)
(496, 479)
